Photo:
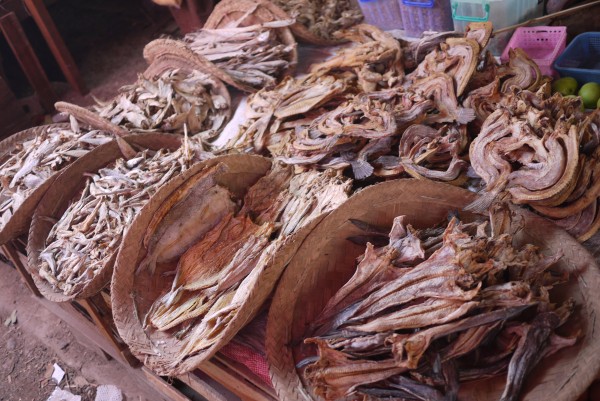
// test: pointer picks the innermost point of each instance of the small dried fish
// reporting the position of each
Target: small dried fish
(252, 55)
(168, 103)
(90, 230)
(32, 162)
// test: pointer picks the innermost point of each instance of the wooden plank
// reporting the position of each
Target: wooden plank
(57, 46)
(12, 254)
(201, 387)
(104, 327)
(16, 38)
(232, 382)
(163, 387)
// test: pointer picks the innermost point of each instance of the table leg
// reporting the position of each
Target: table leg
(16, 38)
(57, 46)
(10, 252)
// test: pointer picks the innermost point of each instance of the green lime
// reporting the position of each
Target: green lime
(590, 93)
(565, 86)
(576, 97)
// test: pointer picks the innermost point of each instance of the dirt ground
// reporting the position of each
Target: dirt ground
(30, 347)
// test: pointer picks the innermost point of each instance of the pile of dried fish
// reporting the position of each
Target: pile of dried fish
(169, 102)
(375, 58)
(32, 162)
(376, 120)
(214, 275)
(541, 151)
(322, 17)
(273, 116)
(254, 56)
(432, 309)
(90, 230)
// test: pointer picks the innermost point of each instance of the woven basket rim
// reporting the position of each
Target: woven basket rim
(21, 219)
(287, 381)
(68, 184)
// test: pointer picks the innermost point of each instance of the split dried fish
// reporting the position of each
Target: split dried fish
(413, 324)
(214, 275)
(32, 162)
(169, 102)
(253, 55)
(89, 232)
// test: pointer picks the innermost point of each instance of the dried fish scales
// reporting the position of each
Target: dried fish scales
(254, 56)
(400, 348)
(32, 162)
(91, 228)
(214, 275)
(169, 102)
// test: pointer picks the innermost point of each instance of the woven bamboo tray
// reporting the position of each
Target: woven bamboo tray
(66, 187)
(325, 261)
(230, 10)
(133, 293)
(21, 219)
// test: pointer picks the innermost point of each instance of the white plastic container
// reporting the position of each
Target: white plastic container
(419, 16)
(384, 14)
(501, 13)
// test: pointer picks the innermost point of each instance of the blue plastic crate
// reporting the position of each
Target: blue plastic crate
(581, 59)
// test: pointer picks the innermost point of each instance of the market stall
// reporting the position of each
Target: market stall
(374, 212)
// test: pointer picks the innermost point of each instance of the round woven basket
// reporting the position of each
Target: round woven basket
(66, 187)
(326, 261)
(231, 10)
(21, 219)
(132, 294)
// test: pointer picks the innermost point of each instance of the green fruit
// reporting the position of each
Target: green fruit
(590, 93)
(598, 104)
(576, 97)
(565, 86)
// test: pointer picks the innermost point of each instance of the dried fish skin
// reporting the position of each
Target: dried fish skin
(30, 163)
(169, 102)
(91, 228)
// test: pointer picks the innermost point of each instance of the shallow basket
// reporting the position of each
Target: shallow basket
(543, 44)
(57, 198)
(21, 219)
(326, 260)
(132, 294)
(581, 59)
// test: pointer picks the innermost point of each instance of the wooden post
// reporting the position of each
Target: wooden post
(12, 254)
(57, 46)
(16, 38)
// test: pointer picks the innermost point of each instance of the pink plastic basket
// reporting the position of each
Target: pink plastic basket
(542, 43)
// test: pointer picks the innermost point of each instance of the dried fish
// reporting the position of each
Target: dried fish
(254, 56)
(169, 102)
(231, 249)
(416, 330)
(322, 17)
(32, 162)
(90, 230)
